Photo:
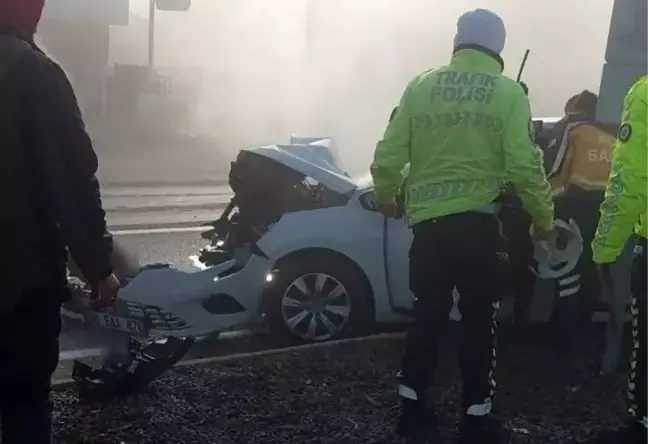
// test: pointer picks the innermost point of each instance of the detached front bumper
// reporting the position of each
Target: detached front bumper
(171, 302)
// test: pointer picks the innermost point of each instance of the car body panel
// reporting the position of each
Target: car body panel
(398, 240)
(359, 238)
(182, 294)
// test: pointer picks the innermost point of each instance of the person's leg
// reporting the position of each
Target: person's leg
(29, 358)
(590, 289)
(565, 310)
(516, 224)
(480, 283)
(638, 371)
(569, 315)
(432, 285)
(524, 284)
(635, 432)
(565, 289)
(578, 292)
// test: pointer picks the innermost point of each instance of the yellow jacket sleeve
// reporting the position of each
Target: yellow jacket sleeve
(392, 154)
(524, 165)
(625, 195)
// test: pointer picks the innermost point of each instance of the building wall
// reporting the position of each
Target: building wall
(83, 50)
(77, 34)
(106, 12)
(626, 57)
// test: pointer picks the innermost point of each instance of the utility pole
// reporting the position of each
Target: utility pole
(162, 5)
(151, 34)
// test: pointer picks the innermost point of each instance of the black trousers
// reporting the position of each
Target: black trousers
(29, 355)
(465, 251)
(577, 293)
(517, 224)
(638, 371)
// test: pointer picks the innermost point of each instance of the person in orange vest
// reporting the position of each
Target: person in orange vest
(577, 162)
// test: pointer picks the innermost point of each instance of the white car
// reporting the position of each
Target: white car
(303, 246)
(300, 245)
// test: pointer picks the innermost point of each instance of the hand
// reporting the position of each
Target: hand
(389, 209)
(525, 88)
(543, 236)
(105, 294)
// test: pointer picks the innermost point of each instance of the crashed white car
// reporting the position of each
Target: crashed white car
(300, 245)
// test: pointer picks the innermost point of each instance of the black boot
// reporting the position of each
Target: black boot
(633, 433)
(483, 430)
(415, 423)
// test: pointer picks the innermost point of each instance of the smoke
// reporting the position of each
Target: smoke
(336, 68)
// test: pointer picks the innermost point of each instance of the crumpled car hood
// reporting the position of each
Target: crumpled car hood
(313, 158)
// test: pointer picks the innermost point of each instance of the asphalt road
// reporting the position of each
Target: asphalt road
(172, 245)
(137, 206)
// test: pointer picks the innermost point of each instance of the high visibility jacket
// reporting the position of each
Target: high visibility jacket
(579, 154)
(625, 196)
(465, 129)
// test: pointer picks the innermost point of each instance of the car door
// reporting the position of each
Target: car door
(398, 238)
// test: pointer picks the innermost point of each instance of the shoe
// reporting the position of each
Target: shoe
(634, 433)
(483, 430)
(415, 423)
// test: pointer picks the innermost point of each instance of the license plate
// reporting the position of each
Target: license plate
(112, 322)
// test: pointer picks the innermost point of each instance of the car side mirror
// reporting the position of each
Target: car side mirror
(367, 201)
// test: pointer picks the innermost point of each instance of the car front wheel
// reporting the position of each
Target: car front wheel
(318, 298)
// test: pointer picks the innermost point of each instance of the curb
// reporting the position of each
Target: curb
(149, 228)
(294, 348)
(63, 384)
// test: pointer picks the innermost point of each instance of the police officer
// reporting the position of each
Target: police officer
(465, 129)
(623, 209)
(577, 161)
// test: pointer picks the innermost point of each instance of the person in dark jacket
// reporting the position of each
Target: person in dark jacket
(50, 203)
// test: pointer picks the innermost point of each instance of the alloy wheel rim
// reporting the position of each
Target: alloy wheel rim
(315, 306)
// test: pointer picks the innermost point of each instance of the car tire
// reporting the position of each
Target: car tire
(345, 300)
